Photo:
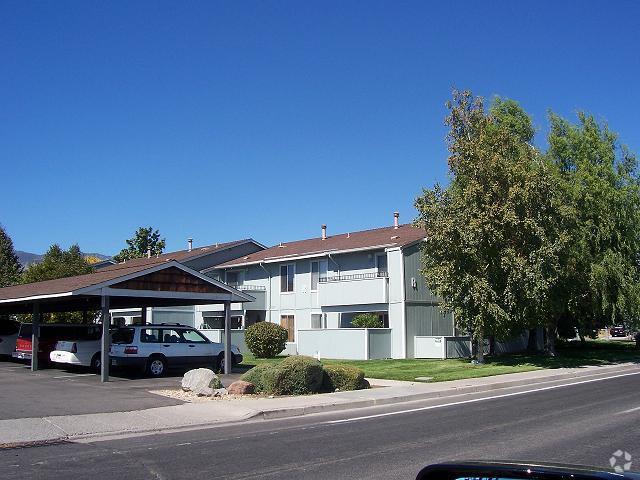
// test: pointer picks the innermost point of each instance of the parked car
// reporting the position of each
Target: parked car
(8, 337)
(155, 348)
(618, 331)
(50, 334)
(84, 350)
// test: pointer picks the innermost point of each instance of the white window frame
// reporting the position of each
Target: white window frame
(376, 264)
(293, 266)
(319, 261)
(323, 320)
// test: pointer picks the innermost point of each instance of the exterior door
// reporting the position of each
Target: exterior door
(173, 348)
(198, 349)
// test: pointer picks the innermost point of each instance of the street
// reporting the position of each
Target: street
(582, 423)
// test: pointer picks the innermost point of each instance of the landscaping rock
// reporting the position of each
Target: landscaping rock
(201, 381)
(241, 388)
(220, 392)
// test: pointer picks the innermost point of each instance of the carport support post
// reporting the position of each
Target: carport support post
(227, 337)
(104, 355)
(35, 336)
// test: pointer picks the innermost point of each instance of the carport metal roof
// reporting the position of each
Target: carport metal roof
(151, 282)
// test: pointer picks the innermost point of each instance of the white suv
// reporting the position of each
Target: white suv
(157, 347)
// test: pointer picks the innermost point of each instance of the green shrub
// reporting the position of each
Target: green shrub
(262, 377)
(367, 320)
(298, 375)
(265, 339)
(343, 377)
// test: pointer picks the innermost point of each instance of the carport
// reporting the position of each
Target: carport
(147, 282)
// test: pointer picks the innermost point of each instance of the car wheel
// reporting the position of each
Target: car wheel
(96, 363)
(156, 366)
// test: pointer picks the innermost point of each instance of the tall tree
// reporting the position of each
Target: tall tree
(59, 263)
(599, 283)
(493, 239)
(145, 240)
(10, 267)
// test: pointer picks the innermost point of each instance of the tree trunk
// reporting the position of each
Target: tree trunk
(480, 347)
(532, 342)
(552, 333)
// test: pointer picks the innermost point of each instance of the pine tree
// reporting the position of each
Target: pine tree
(10, 268)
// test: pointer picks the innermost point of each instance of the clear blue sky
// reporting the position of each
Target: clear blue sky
(265, 119)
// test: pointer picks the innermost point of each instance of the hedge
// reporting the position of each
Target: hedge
(298, 375)
(343, 377)
(262, 377)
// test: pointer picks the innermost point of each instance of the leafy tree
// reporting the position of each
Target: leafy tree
(599, 281)
(59, 263)
(494, 236)
(143, 241)
(10, 267)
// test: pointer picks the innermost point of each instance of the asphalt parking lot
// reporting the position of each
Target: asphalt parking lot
(57, 391)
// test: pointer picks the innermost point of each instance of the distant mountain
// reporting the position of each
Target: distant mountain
(26, 258)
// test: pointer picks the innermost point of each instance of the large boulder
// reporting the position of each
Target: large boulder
(201, 381)
(241, 388)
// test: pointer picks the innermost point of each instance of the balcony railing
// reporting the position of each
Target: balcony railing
(354, 276)
(248, 288)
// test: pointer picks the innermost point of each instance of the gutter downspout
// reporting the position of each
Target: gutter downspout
(404, 305)
(268, 290)
(334, 262)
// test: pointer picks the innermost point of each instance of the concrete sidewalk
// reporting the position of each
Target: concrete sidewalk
(15, 432)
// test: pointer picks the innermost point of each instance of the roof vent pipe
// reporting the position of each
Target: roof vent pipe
(396, 216)
(148, 253)
(324, 232)
(190, 244)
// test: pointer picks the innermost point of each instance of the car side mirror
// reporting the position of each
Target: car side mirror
(517, 471)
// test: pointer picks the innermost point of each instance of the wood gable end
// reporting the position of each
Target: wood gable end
(170, 279)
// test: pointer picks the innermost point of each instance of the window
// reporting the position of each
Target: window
(318, 270)
(151, 335)
(287, 273)
(233, 278)
(289, 324)
(318, 320)
(217, 323)
(123, 335)
(381, 264)
(191, 336)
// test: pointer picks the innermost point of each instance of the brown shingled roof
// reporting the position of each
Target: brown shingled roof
(179, 256)
(363, 240)
(68, 284)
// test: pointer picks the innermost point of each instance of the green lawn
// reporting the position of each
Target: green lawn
(571, 355)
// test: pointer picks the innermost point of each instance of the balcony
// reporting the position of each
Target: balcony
(353, 289)
(257, 291)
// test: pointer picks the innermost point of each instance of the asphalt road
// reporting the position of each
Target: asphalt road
(74, 391)
(583, 423)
